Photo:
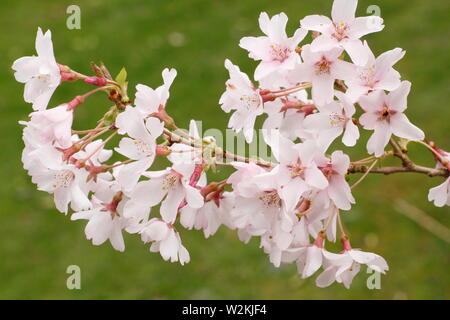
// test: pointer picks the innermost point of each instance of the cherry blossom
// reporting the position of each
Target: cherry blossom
(149, 100)
(294, 197)
(376, 74)
(384, 114)
(440, 194)
(276, 51)
(210, 217)
(41, 73)
(141, 146)
(53, 125)
(344, 30)
(322, 68)
(344, 266)
(308, 258)
(165, 240)
(104, 224)
(242, 97)
(297, 172)
(66, 182)
(338, 190)
(332, 120)
(171, 186)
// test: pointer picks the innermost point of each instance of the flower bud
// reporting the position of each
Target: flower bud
(96, 81)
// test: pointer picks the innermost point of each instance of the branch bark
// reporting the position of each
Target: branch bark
(431, 172)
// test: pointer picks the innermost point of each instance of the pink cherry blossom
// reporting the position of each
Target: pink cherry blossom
(209, 217)
(165, 240)
(384, 114)
(308, 258)
(338, 190)
(293, 197)
(440, 194)
(149, 100)
(105, 223)
(297, 172)
(66, 182)
(139, 146)
(344, 266)
(54, 126)
(332, 120)
(241, 96)
(171, 186)
(275, 50)
(376, 74)
(322, 68)
(288, 121)
(344, 30)
(40, 73)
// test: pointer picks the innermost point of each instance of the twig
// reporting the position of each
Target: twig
(432, 172)
(365, 174)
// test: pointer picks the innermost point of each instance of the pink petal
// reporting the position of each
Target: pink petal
(403, 128)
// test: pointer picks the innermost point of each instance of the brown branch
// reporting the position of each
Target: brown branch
(432, 172)
(399, 153)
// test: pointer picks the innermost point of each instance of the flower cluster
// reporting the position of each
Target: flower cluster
(311, 96)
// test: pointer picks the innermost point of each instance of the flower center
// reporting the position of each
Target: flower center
(368, 77)
(323, 66)
(297, 170)
(251, 101)
(143, 148)
(279, 53)
(340, 31)
(170, 180)
(63, 178)
(337, 120)
(271, 199)
(386, 113)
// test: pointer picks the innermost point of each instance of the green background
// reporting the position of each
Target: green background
(37, 243)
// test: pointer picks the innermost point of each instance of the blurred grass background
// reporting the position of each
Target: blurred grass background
(37, 244)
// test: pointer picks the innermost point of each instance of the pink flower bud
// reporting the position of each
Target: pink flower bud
(96, 81)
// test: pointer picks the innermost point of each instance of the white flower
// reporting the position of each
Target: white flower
(66, 182)
(141, 146)
(166, 240)
(171, 186)
(338, 189)
(105, 223)
(440, 195)
(344, 266)
(309, 258)
(241, 95)
(344, 30)
(275, 50)
(53, 126)
(40, 73)
(332, 120)
(376, 74)
(149, 100)
(207, 218)
(297, 172)
(322, 68)
(384, 114)
(289, 122)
